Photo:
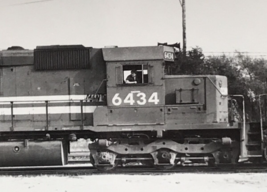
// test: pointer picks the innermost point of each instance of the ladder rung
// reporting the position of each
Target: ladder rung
(253, 156)
(254, 133)
(253, 144)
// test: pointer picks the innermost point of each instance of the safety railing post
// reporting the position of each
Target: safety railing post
(243, 132)
(82, 126)
(46, 115)
(12, 116)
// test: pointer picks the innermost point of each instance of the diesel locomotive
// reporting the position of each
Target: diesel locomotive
(54, 95)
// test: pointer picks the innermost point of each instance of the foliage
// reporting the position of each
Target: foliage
(190, 64)
(246, 75)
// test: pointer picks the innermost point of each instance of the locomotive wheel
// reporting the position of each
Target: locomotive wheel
(165, 159)
(103, 168)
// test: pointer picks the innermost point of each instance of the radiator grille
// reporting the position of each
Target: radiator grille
(61, 57)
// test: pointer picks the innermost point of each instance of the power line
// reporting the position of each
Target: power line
(251, 54)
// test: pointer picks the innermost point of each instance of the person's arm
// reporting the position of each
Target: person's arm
(130, 82)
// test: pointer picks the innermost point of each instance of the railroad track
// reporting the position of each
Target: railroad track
(87, 169)
(49, 170)
(79, 164)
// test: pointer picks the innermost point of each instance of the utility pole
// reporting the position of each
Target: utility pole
(182, 2)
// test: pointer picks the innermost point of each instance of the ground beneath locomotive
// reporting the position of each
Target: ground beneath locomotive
(255, 182)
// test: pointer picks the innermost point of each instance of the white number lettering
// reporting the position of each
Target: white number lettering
(169, 56)
(116, 100)
(129, 99)
(154, 98)
(142, 98)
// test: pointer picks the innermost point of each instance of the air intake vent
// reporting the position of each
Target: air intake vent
(61, 57)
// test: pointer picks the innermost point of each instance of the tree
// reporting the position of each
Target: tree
(191, 63)
(246, 75)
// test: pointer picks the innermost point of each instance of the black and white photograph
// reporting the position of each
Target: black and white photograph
(133, 95)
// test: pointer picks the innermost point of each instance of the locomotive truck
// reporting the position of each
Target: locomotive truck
(54, 95)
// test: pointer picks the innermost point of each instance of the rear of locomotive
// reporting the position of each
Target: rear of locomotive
(47, 97)
(163, 120)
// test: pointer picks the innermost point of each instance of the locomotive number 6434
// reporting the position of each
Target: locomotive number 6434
(135, 97)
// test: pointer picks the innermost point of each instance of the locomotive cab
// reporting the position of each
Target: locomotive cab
(141, 103)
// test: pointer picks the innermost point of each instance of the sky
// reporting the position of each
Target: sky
(214, 25)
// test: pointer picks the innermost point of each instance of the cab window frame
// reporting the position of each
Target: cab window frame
(142, 73)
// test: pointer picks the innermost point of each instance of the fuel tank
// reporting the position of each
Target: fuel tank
(31, 153)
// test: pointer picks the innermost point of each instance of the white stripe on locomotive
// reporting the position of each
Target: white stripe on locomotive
(41, 99)
(42, 110)
(26, 109)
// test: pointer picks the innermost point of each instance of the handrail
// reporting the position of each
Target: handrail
(261, 119)
(12, 115)
(217, 88)
(46, 102)
(226, 95)
(243, 104)
(82, 114)
(243, 132)
(41, 101)
(46, 115)
(100, 85)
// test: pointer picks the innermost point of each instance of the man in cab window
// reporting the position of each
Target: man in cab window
(131, 79)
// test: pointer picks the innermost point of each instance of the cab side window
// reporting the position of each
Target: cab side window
(135, 74)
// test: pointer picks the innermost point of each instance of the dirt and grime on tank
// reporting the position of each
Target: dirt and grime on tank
(136, 183)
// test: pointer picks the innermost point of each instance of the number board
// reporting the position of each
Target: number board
(136, 98)
(168, 56)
